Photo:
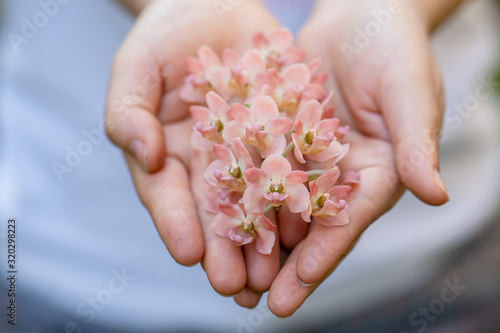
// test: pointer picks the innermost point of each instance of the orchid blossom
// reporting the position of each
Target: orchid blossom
(258, 108)
(232, 222)
(259, 126)
(276, 184)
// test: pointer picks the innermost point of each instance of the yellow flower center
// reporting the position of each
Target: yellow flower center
(218, 124)
(276, 186)
(310, 136)
(322, 199)
(235, 171)
(247, 225)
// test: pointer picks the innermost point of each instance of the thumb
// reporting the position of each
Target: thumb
(134, 96)
(413, 111)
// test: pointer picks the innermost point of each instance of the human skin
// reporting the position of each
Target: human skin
(389, 120)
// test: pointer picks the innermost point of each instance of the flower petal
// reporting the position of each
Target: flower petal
(241, 153)
(201, 114)
(280, 39)
(295, 177)
(256, 176)
(276, 167)
(280, 126)
(253, 198)
(224, 154)
(230, 58)
(298, 198)
(339, 193)
(342, 218)
(296, 74)
(272, 145)
(327, 180)
(217, 105)
(350, 177)
(266, 239)
(222, 223)
(241, 113)
(232, 211)
(198, 142)
(309, 115)
(241, 238)
(190, 94)
(296, 150)
(233, 129)
(253, 62)
(208, 57)
(219, 78)
(327, 125)
(209, 172)
(265, 109)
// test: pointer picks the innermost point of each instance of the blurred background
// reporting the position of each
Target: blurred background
(89, 259)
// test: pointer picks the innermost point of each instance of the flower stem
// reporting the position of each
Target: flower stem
(267, 209)
(314, 174)
(288, 148)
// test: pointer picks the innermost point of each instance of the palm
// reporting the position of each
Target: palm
(174, 192)
(374, 98)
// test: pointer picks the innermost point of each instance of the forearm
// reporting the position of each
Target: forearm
(435, 11)
(136, 6)
(429, 12)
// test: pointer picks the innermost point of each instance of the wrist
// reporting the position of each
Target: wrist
(136, 6)
(430, 13)
(434, 12)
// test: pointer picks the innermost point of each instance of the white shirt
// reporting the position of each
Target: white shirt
(87, 248)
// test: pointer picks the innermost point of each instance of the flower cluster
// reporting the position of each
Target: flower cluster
(255, 110)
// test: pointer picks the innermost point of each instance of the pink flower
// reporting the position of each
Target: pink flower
(328, 204)
(243, 229)
(315, 137)
(205, 75)
(276, 47)
(244, 72)
(276, 184)
(260, 126)
(290, 88)
(228, 171)
(209, 121)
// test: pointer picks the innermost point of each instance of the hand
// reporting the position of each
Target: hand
(146, 118)
(390, 93)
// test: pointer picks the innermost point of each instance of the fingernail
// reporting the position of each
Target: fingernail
(140, 152)
(306, 284)
(439, 182)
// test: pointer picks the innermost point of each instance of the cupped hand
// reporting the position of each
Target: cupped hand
(148, 120)
(388, 89)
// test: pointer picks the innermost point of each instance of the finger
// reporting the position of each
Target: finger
(223, 260)
(261, 268)
(413, 113)
(376, 192)
(287, 293)
(248, 298)
(292, 228)
(167, 196)
(316, 257)
(134, 95)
